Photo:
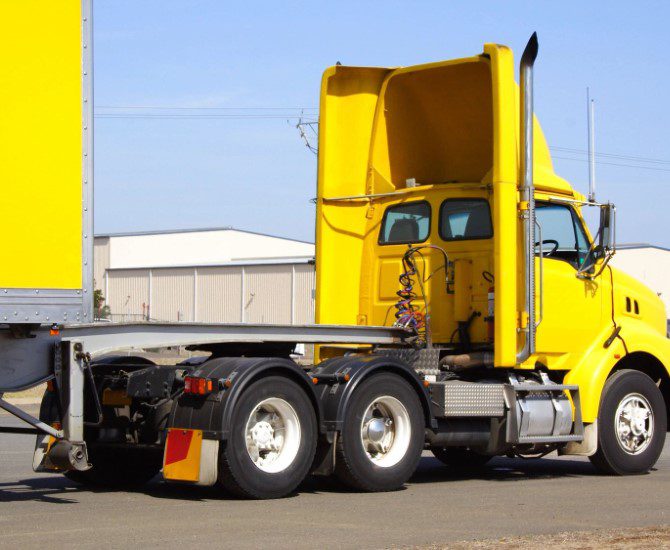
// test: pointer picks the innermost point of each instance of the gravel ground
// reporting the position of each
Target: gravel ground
(644, 538)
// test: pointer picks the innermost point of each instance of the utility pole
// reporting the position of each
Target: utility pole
(590, 115)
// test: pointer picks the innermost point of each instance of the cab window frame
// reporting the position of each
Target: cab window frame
(578, 224)
(380, 239)
(464, 199)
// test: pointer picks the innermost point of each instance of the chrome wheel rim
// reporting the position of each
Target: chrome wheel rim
(634, 423)
(385, 431)
(273, 435)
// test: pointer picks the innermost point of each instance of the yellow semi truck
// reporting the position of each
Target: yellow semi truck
(463, 306)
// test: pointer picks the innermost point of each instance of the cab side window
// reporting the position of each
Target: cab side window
(563, 235)
(405, 223)
(465, 219)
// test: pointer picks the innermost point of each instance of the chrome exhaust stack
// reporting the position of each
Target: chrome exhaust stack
(528, 192)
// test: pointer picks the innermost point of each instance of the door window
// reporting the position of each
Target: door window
(563, 235)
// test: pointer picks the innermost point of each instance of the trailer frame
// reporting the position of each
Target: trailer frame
(63, 352)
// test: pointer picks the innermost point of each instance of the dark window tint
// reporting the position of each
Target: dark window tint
(462, 219)
(563, 235)
(406, 223)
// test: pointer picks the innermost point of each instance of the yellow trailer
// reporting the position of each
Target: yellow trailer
(46, 160)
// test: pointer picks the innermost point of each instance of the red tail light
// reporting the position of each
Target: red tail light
(196, 385)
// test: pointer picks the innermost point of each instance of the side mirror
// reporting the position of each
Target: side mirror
(606, 231)
(604, 244)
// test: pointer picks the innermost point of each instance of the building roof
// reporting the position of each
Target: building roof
(193, 230)
(632, 246)
(199, 247)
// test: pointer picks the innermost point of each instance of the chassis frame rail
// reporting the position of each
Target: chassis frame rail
(30, 357)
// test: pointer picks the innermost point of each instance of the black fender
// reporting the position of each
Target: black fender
(335, 398)
(213, 414)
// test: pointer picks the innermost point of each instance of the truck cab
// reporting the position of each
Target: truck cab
(439, 210)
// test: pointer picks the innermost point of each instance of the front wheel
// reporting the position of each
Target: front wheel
(272, 441)
(382, 437)
(631, 424)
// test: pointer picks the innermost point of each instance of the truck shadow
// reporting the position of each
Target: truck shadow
(431, 470)
(49, 489)
(503, 469)
(56, 489)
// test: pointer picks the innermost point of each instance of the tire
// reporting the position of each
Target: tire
(361, 461)
(118, 468)
(269, 474)
(461, 458)
(635, 452)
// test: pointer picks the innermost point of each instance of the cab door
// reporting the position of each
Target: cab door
(403, 225)
(570, 308)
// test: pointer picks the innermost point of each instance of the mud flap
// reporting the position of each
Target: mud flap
(587, 447)
(190, 458)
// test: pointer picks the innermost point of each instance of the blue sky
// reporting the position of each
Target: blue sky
(249, 168)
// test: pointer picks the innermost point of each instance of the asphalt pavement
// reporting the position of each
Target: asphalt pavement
(512, 497)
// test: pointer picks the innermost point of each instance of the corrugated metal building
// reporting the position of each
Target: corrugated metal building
(228, 275)
(207, 275)
(648, 263)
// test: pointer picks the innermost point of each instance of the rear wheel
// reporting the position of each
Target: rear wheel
(272, 441)
(382, 437)
(461, 458)
(631, 424)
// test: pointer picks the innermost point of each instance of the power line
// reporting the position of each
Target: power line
(182, 112)
(612, 155)
(617, 164)
(232, 113)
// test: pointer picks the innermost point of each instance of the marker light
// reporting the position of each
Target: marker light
(196, 385)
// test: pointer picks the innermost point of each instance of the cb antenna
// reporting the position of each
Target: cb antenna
(590, 114)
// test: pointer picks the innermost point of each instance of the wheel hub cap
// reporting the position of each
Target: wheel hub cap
(273, 435)
(385, 431)
(263, 436)
(377, 430)
(634, 423)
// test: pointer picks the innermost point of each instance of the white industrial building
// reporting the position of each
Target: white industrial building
(206, 275)
(648, 263)
(232, 276)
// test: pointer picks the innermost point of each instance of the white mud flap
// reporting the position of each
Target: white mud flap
(209, 462)
(587, 447)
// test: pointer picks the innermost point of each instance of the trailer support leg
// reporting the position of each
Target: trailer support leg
(69, 453)
(73, 411)
(41, 426)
